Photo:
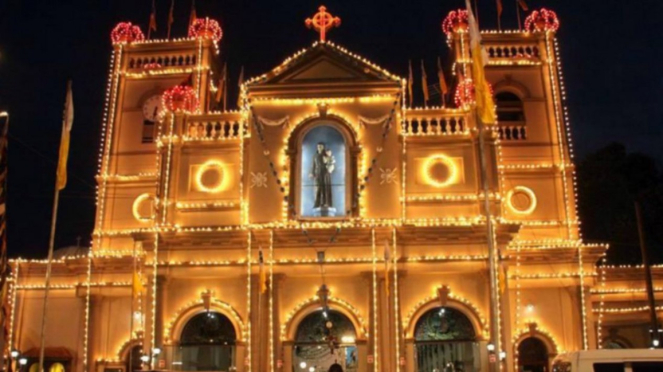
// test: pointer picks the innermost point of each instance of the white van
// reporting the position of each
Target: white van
(612, 360)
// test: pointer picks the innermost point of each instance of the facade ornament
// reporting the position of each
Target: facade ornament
(258, 179)
(322, 109)
(206, 296)
(322, 22)
(388, 176)
(443, 295)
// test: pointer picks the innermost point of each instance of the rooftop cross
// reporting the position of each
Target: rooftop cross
(322, 21)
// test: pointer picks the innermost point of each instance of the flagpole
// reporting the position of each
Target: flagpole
(131, 319)
(49, 262)
(492, 259)
(520, 25)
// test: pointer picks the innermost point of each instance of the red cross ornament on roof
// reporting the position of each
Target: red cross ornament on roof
(322, 22)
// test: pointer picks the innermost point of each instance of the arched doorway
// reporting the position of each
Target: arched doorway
(207, 343)
(445, 340)
(132, 361)
(532, 355)
(323, 339)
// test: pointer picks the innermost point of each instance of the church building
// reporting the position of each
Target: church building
(326, 222)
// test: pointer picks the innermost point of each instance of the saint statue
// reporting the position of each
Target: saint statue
(321, 170)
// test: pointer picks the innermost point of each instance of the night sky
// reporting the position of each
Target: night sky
(611, 52)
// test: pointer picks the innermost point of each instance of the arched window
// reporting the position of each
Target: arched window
(446, 340)
(532, 355)
(207, 343)
(509, 108)
(325, 338)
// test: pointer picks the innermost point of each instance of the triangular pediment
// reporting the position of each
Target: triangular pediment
(325, 63)
(324, 69)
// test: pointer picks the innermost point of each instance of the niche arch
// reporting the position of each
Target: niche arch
(295, 161)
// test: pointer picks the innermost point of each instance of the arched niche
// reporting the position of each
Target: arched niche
(180, 320)
(313, 306)
(533, 355)
(473, 317)
(445, 339)
(339, 137)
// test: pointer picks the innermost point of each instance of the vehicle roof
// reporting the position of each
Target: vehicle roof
(604, 354)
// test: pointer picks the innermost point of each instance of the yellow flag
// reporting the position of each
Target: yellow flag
(171, 16)
(153, 20)
(485, 103)
(138, 285)
(410, 79)
(240, 103)
(387, 262)
(192, 17)
(263, 275)
(424, 83)
(67, 122)
(444, 89)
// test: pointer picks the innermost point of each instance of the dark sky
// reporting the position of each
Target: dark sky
(611, 50)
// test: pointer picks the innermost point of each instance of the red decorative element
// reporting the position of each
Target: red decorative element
(125, 33)
(151, 66)
(322, 22)
(543, 20)
(205, 28)
(465, 93)
(180, 98)
(456, 21)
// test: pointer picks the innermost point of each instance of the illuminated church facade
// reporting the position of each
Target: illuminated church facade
(323, 222)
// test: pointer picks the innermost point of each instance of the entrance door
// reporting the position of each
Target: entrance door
(325, 341)
(445, 340)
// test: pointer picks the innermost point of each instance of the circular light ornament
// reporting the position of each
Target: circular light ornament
(126, 33)
(431, 168)
(456, 21)
(138, 206)
(202, 173)
(180, 98)
(543, 20)
(205, 28)
(514, 200)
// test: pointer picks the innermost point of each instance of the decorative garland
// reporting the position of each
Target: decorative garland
(275, 123)
(365, 120)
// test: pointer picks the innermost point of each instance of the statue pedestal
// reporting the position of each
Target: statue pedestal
(324, 212)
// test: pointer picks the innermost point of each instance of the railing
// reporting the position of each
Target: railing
(512, 132)
(513, 51)
(213, 130)
(434, 126)
(178, 60)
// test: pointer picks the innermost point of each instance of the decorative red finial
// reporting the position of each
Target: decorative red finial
(125, 33)
(456, 21)
(322, 22)
(543, 20)
(465, 95)
(180, 98)
(205, 28)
